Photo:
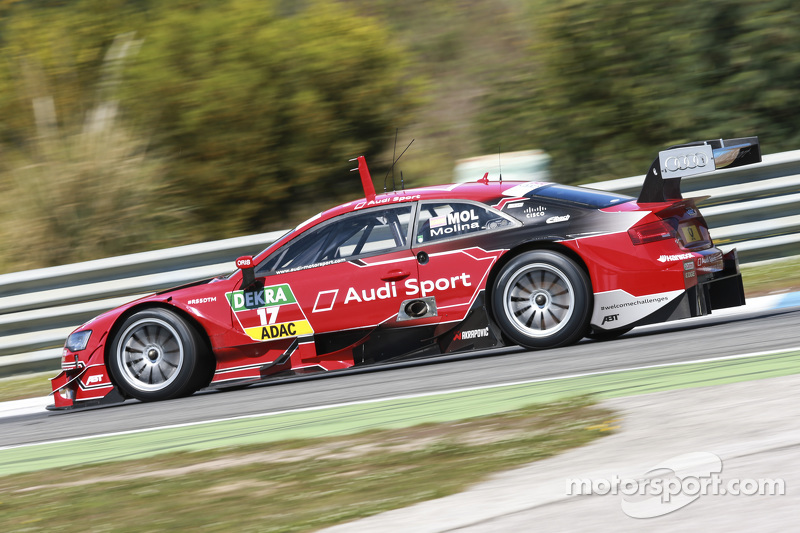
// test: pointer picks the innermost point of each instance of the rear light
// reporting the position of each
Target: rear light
(651, 232)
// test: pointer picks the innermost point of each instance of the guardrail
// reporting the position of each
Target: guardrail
(39, 308)
(753, 208)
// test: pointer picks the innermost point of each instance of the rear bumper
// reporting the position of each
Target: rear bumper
(725, 288)
(719, 289)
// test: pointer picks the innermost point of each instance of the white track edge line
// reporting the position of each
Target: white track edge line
(407, 397)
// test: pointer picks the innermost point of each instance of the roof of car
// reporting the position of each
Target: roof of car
(478, 191)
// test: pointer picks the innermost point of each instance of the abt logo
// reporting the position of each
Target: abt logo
(94, 379)
(610, 318)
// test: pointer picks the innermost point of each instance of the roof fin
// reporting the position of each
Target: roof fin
(366, 179)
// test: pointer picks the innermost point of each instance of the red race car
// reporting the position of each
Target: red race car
(421, 272)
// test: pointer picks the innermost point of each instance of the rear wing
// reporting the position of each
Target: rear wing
(663, 180)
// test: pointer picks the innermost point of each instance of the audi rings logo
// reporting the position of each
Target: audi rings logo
(685, 162)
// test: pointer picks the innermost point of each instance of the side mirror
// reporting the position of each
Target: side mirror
(248, 270)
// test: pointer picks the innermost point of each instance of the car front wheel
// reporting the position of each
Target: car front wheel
(156, 355)
(542, 299)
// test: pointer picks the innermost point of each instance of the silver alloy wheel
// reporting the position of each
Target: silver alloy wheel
(150, 354)
(539, 300)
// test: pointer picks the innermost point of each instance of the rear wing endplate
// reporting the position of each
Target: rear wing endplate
(663, 180)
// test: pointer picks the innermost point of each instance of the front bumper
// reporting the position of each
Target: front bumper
(83, 386)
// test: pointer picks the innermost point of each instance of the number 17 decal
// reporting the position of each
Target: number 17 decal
(263, 313)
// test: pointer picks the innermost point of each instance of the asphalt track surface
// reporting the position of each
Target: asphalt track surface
(689, 340)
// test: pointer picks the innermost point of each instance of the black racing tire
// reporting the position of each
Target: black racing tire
(542, 299)
(607, 334)
(156, 355)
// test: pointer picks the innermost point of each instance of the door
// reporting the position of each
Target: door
(452, 243)
(346, 275)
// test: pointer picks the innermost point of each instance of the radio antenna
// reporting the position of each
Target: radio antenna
(391, 169)
(500, 164)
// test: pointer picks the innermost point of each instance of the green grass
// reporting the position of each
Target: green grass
(25, 386)
(296, 485)
(775, 277)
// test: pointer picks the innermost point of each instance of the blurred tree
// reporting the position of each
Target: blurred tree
(79, 193)
(236, 115)
(610, 83)
(55, 50)
(259, 108)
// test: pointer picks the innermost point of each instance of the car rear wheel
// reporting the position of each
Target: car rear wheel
(542, 299)
(156, 355)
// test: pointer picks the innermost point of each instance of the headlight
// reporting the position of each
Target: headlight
(78, 341)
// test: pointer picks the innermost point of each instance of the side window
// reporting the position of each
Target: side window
(444, 220)
(351, 235)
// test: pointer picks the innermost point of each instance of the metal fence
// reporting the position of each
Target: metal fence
(753, 208)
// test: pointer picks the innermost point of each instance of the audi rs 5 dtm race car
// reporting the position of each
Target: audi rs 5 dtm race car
(421, 272)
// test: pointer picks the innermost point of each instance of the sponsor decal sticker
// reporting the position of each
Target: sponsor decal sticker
(610, 318)
(202, 300)
(268, 296)
(410, 287)
(387, 201)
(688, 269)
(553, 220)
(678, 257)
(471, 334)
(438, 222)
(314, 265)
(325, 300)
(259, 311)
(244, 262)
(535, 212)
(686, 161)
(621, 308)
(457, 221)
(706, 260)
(279, 331)
(94, 379)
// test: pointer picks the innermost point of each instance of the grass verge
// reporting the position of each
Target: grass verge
(297, 485)
(26, 386)
(773, 277)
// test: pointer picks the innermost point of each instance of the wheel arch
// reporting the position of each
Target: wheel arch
(187, 317)
(531, 246)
